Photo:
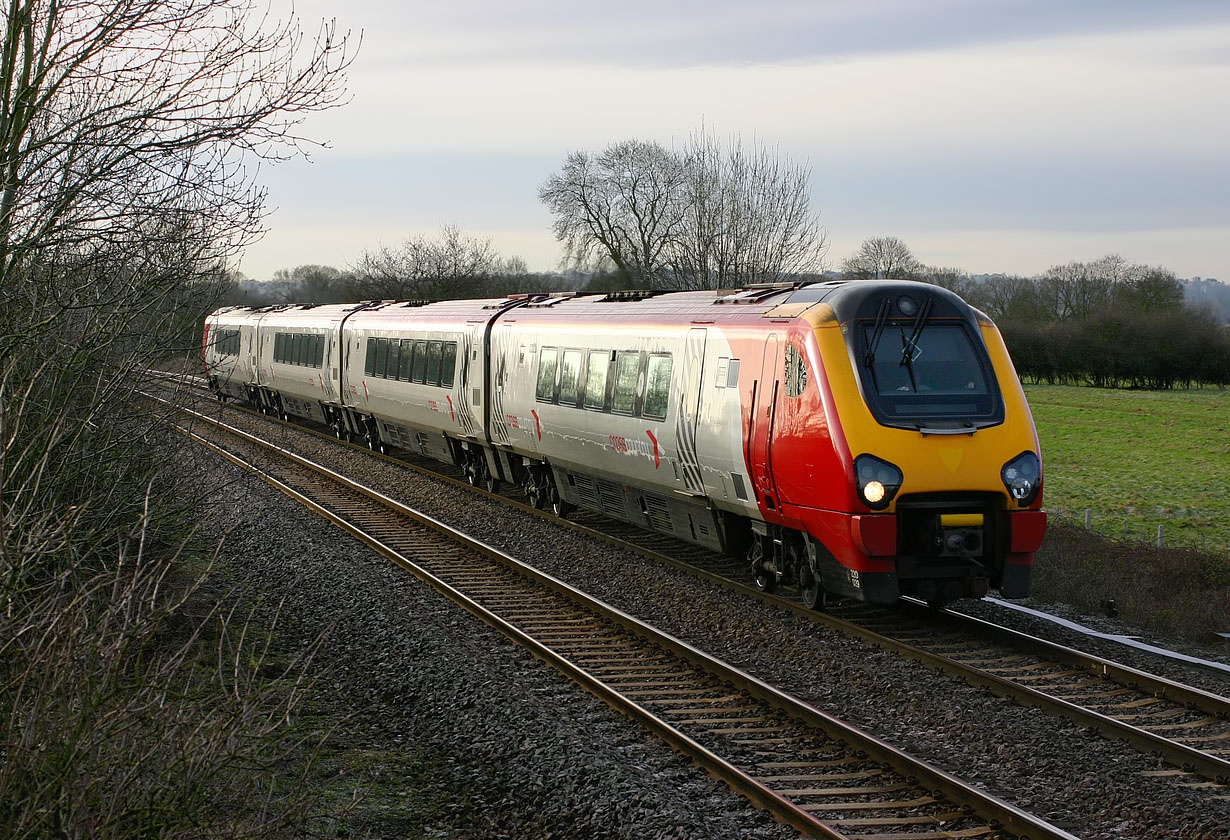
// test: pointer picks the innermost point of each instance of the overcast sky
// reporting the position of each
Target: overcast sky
(989, 135)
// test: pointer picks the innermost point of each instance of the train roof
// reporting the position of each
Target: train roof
(848, 298)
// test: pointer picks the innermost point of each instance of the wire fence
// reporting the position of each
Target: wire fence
(1142, 529)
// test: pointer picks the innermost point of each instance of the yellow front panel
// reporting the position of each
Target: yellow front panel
(932, 463)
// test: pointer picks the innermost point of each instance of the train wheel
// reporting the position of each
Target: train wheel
(374, 443)
(764, 578)
(815, 596)
(560, 507)
(490, 483)
(535, 494)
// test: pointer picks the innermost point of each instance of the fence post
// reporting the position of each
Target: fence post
(1088, 519)
(1161, 536)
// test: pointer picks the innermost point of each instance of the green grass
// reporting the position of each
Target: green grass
(1138, 459)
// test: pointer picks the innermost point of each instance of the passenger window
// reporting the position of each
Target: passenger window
(449, 364)
(627, 367)
(657, 387)
(369, 366)
(407, 356)
(596, 369)
(546, 374)
(420, 361)
(569, 372)
(320, 350)
(382, 356)
(394, 359)
(279, 340)
(433, 362)
(296, 345)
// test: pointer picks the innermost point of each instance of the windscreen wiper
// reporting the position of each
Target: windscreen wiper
(881, 317)
(910, 346)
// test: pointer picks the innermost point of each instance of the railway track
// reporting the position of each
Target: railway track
(809, 769)
(1186, 727)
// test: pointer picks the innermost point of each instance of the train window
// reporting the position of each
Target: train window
(657, 386)
(627, 369)
(448, 365)
(307, 349)
(546, 374)
(369, 366)
(434, 354)
(279, 339)
(320, 351)
(394, 365)
(596, 369)
(420, 361)
(732, 374)
(796, 372)
(569, 373)
(407, 355)
(382, 357)
(296, 346)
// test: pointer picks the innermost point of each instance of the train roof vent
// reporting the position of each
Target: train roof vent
(554, 298)
(410, 304)
(627, 295)
(754, 292)
(519, 299)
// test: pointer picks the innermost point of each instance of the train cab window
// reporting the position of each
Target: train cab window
(596, 369)
(569, 377)
(434, 355)
(946, 378)
(657, 386)
(405, 359)
(547, 361)
(369, 364)
(627, 369)
(796, 372)
(419, 367)
(448, 364)
(394, 364)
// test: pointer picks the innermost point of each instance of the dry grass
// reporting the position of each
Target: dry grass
(1175, 591)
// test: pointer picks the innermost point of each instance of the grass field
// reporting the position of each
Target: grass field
(1138, 459)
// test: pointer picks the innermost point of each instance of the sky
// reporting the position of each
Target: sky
(989, 135)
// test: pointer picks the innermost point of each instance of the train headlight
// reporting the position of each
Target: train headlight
(1023, 478)
(878, 481)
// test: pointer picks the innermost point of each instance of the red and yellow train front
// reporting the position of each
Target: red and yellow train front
(910, 458)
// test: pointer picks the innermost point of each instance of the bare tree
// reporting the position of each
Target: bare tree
(129, 136)
(625, 203)
(704, 217)
(881, 256)
(127, 131)
(748, 218)
(451, 264)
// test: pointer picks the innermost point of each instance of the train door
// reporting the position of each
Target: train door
(689, 410)
(763, 417)
(333, 361)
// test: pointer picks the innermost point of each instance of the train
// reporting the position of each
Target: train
(861, 440)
